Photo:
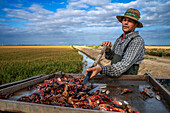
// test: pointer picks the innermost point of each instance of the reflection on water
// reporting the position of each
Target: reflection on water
(86, 61)
(21, 93)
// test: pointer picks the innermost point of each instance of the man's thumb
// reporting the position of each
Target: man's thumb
(89, 69)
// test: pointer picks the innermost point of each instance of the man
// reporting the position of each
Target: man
(128, 50)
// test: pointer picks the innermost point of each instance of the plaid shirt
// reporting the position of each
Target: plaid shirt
(134, 54)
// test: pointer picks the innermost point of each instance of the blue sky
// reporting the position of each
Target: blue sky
(89, 22)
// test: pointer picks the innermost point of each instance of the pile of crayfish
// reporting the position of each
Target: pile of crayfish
(69, 92)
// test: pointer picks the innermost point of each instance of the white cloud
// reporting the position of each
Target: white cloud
(157, 14)
(62, 3)
(100, 14)
(2, 19)
(39, 9)
(18, 5)
(70, 12)
(78, 4)
(96, 2)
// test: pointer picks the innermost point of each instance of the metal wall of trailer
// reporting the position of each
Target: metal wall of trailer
(13, 106)
(127, 81)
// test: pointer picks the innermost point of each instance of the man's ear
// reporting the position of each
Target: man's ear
(136, 24)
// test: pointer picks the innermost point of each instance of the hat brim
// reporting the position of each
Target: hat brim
(120, 18)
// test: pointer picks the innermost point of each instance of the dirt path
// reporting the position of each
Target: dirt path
(157, 67)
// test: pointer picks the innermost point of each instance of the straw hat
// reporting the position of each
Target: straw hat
(133, 14)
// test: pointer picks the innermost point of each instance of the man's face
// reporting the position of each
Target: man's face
(128, 25)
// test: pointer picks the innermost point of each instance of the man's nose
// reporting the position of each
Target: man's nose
(126, 21)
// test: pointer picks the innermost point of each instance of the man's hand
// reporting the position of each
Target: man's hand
(108, 44)
(95, 70)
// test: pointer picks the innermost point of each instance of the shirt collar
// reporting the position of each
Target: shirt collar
(132, 34)
(128, 36)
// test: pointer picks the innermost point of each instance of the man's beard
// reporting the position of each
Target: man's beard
(126, 32)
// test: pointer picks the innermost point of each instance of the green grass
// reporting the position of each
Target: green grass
(96, 47)
(165, 51)
(21, 63)
(147, 57)
(89, 45)
(157, 53)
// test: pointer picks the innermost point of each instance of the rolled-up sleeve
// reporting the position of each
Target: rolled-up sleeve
(131, 56)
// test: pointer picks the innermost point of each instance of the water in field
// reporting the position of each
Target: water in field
(86, 62)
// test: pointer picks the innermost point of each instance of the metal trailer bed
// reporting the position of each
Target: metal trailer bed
(136, 83)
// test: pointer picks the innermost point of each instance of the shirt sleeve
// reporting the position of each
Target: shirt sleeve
(130, 57)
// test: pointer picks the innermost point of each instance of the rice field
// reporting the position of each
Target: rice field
(161, 51)
(158, 47)
(158, 51)
(20, 62)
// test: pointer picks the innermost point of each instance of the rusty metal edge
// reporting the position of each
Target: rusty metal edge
(122, 77)
(163, 91)
(24, 84)
(130, 77)
(15, 106)
(18, 85)
(20, 81)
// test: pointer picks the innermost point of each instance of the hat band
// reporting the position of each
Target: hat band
(132, 14)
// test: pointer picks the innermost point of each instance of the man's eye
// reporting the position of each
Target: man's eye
(124, 19)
